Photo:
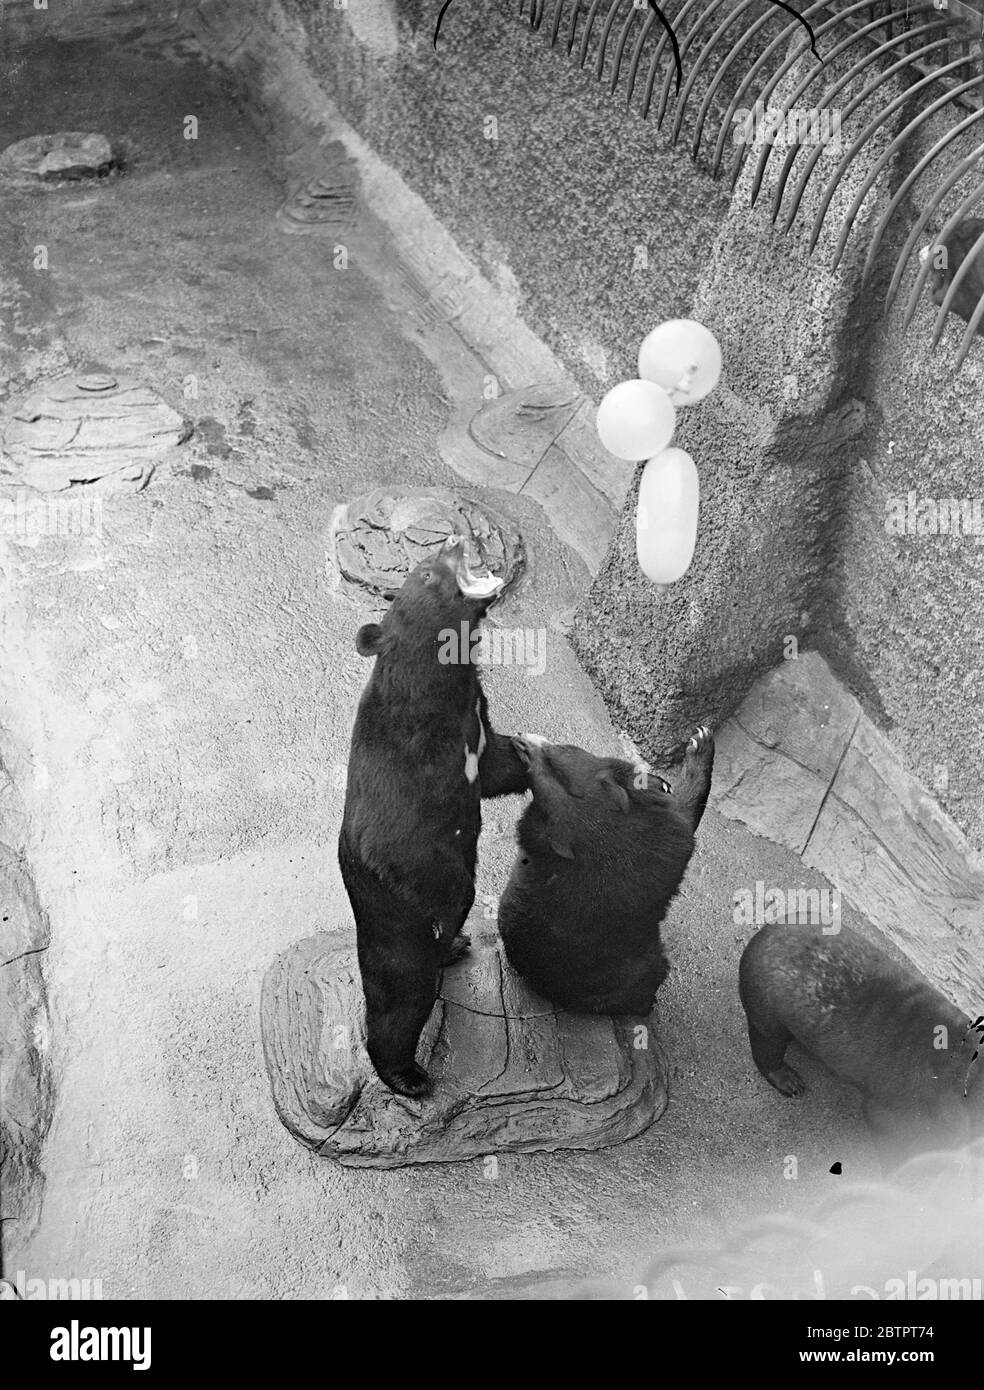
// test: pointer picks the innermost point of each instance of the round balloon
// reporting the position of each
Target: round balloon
(636, 419)
(683, 357)
(666, 518)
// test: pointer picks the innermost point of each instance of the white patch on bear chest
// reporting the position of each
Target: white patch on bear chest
(471, 759)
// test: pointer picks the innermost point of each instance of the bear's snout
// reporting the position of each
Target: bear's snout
(471, 583)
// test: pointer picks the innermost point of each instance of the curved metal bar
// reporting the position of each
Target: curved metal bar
(962, 270)
(671, 35)
(884, 159)
(732, 53)
(603, 41)
(698, 63)
(687, 40)
(807, 81)
(834, 180)
(970, 333)
(572, 27)
(654, 65)
(800, 20)
(586, 36)
(780, 72)
(637, 55)
(440, 20)
(851, 107)
(952, 179)
(762, 59)
(620, 46)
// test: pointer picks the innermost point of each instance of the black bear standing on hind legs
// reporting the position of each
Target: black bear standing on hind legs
(603, 848)
(422, 757)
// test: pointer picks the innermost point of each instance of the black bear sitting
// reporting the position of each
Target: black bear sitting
(422, 757)
(600, 860)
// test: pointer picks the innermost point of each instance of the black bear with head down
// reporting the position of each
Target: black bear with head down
(874, 1022)
(602, 851)
(423, 755)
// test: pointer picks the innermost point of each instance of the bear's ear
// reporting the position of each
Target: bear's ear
(369, 640)
(615, 790)
(562, 847)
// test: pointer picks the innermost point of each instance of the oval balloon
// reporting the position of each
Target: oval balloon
(683, 357)
(636, 419)
(666, 518)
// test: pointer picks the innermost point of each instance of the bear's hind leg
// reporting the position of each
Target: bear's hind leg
(768, 1051)
(399, 981)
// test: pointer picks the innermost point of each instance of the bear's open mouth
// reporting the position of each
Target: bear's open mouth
(471, 582)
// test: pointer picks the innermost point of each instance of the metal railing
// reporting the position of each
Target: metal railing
(735, 54)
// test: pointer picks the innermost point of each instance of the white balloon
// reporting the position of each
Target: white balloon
(666, 517)
(683, 357)
(636, 419)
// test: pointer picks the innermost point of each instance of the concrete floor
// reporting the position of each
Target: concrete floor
(179, 694)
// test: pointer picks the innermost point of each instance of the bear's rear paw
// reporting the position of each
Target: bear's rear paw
(410, 1081)
(457, 947)
(786, 1081)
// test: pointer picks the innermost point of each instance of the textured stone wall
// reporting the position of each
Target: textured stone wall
(577, 210)
(826, 410)
(596, 228)
(908, 629)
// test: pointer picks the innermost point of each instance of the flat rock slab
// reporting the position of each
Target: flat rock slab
(378, 539)
(88, 427)
(511, 1074)
(802, 764)
(521, 425)
(541, 441)
(775, 760)
(328, 203)
(68, 155)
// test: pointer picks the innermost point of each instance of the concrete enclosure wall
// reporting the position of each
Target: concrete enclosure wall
(180, 835)
(598, 229)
